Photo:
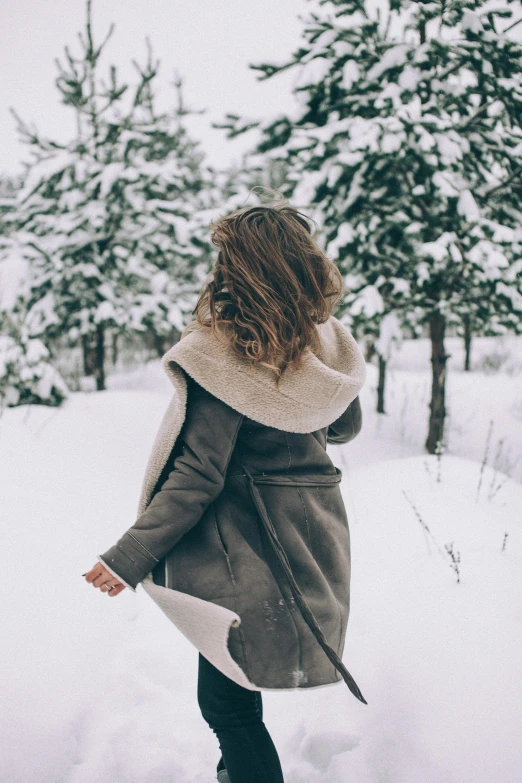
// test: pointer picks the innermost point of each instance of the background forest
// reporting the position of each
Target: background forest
(403, 142)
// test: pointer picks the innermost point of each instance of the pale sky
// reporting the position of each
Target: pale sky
(210, 43)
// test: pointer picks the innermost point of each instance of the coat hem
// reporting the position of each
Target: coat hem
(206, 625)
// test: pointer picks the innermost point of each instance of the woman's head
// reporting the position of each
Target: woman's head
(270, 285)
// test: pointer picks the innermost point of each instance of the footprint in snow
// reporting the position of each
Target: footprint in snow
(319, 749)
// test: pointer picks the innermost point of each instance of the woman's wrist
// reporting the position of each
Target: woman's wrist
(100, 559)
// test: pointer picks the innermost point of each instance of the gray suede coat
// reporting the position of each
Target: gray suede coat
(243, 539)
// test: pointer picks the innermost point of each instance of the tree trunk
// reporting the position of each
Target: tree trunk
(114, 348)
(369, 351)
(159, 344)
(467, 343)
(100, 358)
(380, 385)
(89, 355)
(438, 385)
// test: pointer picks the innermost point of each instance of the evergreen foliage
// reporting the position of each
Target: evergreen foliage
(407, 143)
(110, 221)
(27, 375)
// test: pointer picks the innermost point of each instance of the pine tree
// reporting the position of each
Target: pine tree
(110, 220)
(27, 377)
(27, 373)
(408, 143)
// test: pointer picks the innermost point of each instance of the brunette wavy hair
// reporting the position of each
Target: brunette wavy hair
(270, 285)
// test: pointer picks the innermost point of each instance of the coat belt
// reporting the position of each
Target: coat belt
(305, 610)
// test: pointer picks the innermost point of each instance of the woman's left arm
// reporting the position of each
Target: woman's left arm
(207, 440)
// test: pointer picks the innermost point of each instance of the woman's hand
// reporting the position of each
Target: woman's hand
(98, 576)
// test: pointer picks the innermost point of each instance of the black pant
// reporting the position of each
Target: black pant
(235, 715)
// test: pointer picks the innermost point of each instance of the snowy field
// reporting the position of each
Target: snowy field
(96, 690)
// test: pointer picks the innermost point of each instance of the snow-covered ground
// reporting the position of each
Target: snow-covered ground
(99, 690)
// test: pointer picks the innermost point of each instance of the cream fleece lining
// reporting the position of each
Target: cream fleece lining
(263, 381)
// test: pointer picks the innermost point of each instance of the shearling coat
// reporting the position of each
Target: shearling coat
(242, 537)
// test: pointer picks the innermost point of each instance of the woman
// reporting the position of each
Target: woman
(242, 537)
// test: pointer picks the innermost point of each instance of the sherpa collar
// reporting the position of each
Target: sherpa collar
(308, 399)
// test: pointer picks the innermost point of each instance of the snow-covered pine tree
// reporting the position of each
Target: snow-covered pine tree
(27, 377)
(408, 142)
(110, 220)
(27, 374)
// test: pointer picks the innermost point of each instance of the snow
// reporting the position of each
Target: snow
(467, 206)
(344, 236)
(512, 294)
(389, 336)
(392, 58)
(304, 192)
(471, 21)
(14, 276)
(400, 286)
(312, 72)
(446, 182)
(369, 302)
(176, 317)
(392, 142)
(355, 186)
(350, 74)
(342, 48)
(490, 258)
(181, 224)
(105, 312)
(36, 351)
(364, 134)
(351, 19)
(94, 689)
(495, 109)
(451, 146)
(390, 91)
(410, 78)
(438, 249)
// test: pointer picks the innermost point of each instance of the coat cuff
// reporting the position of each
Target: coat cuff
(129, 560)
(104, 564)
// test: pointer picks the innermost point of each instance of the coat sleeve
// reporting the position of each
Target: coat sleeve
(348, 425)
(189, 483)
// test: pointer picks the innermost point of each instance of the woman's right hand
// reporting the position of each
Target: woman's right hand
(99, 577)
